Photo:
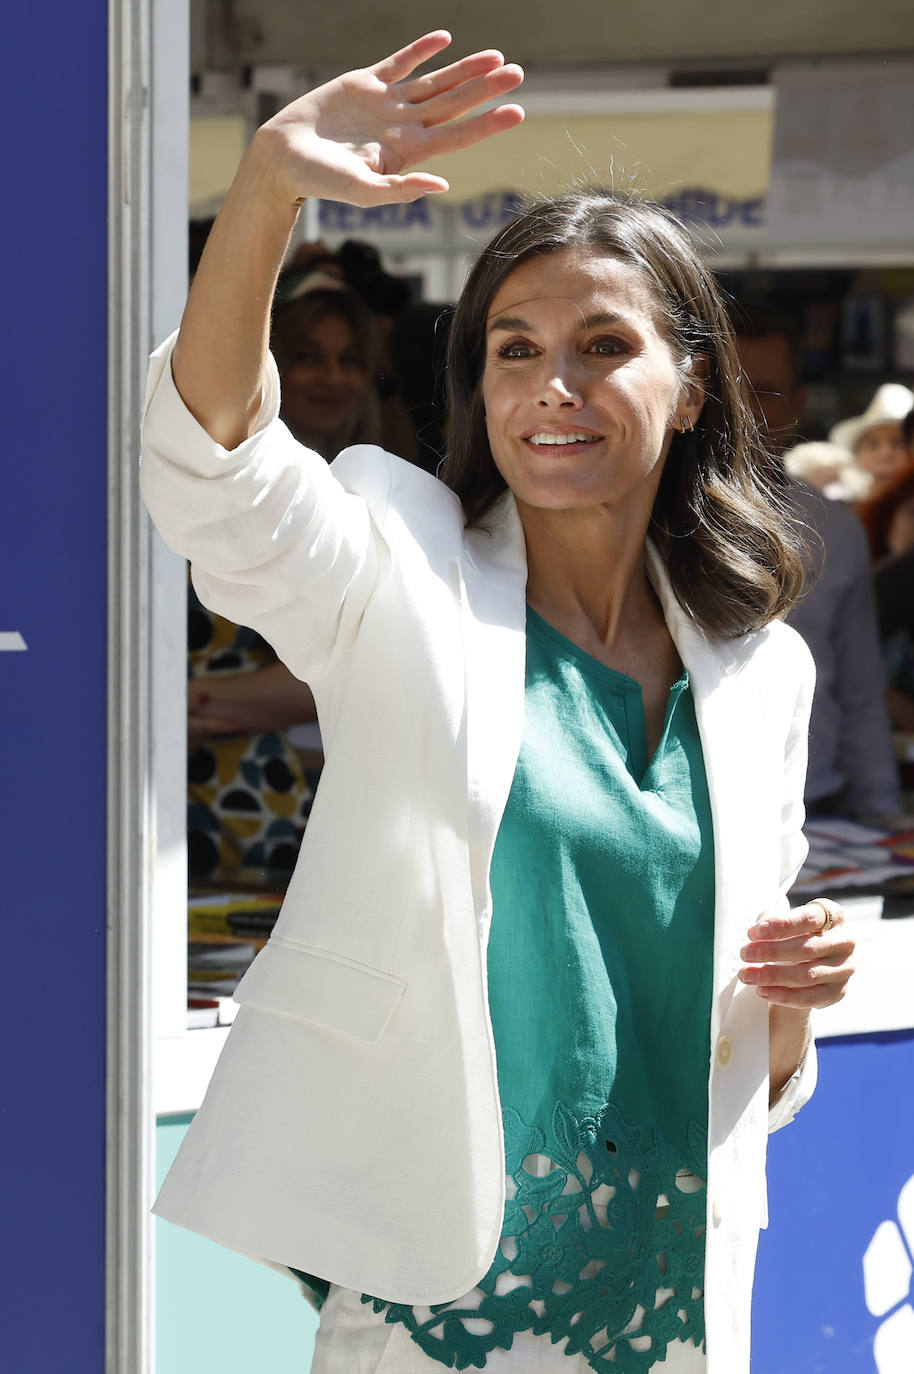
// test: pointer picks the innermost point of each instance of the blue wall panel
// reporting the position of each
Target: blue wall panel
(53, 132)
(834, 1175)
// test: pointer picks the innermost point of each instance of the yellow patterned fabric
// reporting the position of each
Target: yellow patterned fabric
(248, 798)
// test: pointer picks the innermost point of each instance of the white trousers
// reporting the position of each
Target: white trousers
(354, 1339)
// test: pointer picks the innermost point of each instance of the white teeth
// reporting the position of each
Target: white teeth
(560, 438)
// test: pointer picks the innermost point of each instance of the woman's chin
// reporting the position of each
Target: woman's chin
(560, 496)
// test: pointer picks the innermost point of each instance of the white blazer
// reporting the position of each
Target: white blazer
(352, 1127)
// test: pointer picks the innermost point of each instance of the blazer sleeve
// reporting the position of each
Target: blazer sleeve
(275, 540)
(798, 1089)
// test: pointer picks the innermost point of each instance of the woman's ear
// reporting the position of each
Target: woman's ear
(694, 391)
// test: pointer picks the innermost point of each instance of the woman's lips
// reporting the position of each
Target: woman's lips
(568, 441)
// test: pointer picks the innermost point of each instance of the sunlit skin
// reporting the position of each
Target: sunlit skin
(574, 350)
(574, 347)
(881, 451)
(324, 383)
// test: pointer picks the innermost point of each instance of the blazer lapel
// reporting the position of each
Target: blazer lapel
(730, 719)
(493, 597)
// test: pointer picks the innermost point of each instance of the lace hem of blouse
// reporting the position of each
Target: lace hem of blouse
(602, 1248)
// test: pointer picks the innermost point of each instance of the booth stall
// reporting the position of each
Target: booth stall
(835, 1266)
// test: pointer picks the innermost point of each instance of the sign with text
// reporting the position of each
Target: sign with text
(843, 164)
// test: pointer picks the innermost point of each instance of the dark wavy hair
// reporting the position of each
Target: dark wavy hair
(722, 519)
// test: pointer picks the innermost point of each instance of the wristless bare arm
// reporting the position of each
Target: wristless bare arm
(354, 140)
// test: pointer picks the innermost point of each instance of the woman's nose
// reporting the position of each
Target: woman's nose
(560, 383)
(332, 372)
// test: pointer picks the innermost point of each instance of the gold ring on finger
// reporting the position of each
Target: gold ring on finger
(829, 915)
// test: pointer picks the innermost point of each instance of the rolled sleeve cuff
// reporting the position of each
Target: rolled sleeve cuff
(796, 1091)
(168, 425)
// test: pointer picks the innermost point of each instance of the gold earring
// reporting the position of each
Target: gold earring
(685, 424)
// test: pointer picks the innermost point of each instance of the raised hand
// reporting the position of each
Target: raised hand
(353, 138)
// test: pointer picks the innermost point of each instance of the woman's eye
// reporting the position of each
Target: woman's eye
(607, 348)
(515, 350)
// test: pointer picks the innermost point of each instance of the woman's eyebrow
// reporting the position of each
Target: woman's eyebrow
(596, 321)
(509, 322)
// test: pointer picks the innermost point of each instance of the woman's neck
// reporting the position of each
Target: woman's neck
(586, 572)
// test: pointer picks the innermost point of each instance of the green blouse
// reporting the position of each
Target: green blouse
(603, 900)
(599, 970)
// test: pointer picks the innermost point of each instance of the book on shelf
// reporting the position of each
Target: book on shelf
(847, 855)
(227, 954)
(205, 1012)
(233, 913)
(214, 969)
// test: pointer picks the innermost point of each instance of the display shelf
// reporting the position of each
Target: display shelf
(182, 1068)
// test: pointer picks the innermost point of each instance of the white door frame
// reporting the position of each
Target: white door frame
(147, 255)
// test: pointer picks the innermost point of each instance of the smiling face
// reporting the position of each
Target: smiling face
(581, 390)
(324, 380)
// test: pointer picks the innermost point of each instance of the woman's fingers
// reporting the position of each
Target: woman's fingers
(800, 959)
(376, 188)
(797, 948)
(423, 88)
(819, 984)
(403, 63)
(381, 190)
(470, 95)
(810, 919)
(826, 968)
(449, 138)
(454, 90)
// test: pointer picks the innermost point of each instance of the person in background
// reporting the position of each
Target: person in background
(326, 348)
(852, 769)
(876, 438)
(888, 517)
(830, 469)
(889, 522)
(249, 795)
(387, 297)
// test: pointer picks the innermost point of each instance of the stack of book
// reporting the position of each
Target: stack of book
(225, 931)
(844, 855)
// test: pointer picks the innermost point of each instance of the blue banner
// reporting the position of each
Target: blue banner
(53, 542)
(833, 1289)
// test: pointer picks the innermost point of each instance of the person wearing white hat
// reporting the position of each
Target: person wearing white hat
(875, 438)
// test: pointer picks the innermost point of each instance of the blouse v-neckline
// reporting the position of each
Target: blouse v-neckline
(643, 769)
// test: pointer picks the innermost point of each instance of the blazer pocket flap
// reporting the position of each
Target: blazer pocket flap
(315, 985)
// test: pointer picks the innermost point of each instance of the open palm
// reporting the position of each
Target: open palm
(353, 138)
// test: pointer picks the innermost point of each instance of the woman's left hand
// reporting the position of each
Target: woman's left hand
(794, 961)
